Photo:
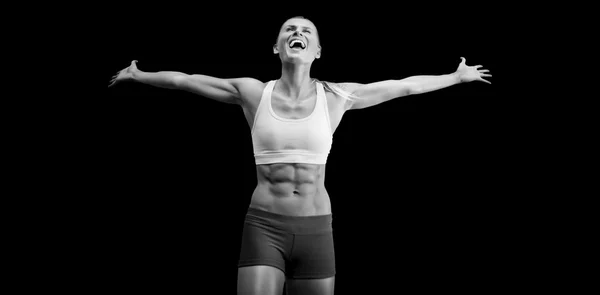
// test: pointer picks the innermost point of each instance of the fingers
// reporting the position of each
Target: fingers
(483, 73)
(113, 79)
(484, 80)
(464, 61)
(478, 66)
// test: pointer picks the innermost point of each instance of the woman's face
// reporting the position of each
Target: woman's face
(298, 41)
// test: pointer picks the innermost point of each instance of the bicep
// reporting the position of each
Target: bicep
(366, 95)
(222, 90)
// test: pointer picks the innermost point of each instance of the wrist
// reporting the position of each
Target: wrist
(457, 77)
(135, 75)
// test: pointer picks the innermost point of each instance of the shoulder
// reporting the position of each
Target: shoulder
(342, 92)
(334, 99)
(249, 89)
(346, 87)
(349, 86)
(246, 83)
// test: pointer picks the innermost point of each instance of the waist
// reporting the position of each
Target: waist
(291, 224)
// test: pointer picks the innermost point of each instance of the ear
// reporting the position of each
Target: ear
(318, 52)
(275, 50)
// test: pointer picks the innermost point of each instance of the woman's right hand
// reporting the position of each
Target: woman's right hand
(125, 74)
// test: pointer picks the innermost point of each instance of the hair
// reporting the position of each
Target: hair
(298, 16)
(335, 88)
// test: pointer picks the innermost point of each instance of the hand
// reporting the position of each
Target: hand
(124, 74)
(471, 73)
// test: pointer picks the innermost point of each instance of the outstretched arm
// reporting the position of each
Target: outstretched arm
(366, 95)
(223, 90)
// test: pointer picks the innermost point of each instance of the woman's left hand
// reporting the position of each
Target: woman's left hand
(471, 73)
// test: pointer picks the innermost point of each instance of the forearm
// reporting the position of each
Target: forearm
(422, 84)
(163, 79)
(375, 93)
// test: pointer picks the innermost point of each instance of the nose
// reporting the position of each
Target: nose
(297, 33)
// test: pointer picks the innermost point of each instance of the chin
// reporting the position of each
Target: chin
(297, 57)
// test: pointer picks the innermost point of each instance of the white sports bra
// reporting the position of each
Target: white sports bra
(280, 140)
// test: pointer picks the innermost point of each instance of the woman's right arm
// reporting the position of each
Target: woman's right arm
(222, 90)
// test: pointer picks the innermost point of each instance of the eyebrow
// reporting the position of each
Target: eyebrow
(294, 26)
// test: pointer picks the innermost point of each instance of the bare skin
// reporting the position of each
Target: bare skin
(294, 189)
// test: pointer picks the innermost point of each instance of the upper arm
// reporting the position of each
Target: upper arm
(366, 95)
(222, 90)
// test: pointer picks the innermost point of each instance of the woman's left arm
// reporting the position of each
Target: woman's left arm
(366, 95)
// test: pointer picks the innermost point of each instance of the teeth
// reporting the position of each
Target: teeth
(297, 41)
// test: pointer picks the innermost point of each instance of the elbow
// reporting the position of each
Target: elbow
(405, 88)
(178, 80)
(413, 88)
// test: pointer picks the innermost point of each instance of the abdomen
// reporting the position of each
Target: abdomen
(293, 189)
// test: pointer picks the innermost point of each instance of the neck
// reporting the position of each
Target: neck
(295, 80)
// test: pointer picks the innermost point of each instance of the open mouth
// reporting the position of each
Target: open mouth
(297, 44)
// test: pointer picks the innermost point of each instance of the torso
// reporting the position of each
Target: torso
(293, 189)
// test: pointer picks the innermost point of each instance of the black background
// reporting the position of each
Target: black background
(417, 193)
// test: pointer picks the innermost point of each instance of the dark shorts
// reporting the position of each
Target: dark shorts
(302, 247)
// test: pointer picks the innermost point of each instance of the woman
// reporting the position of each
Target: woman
(287, 236)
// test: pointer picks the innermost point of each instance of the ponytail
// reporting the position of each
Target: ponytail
(332, 87)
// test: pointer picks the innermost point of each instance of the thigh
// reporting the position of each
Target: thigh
(312, 257)
(262, 245)
(260, 280)
(310, 286)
